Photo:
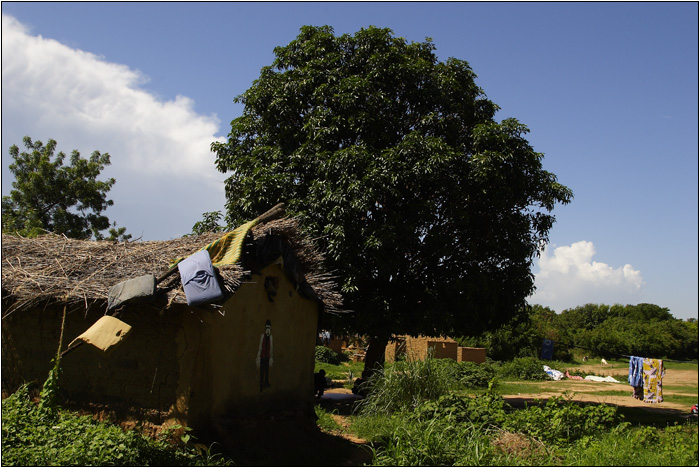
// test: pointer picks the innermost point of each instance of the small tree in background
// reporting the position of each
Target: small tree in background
(209, 223)
(49, 196)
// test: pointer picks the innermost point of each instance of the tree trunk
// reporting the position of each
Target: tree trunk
(374, 357)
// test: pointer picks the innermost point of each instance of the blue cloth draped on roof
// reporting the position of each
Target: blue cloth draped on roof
(199, 279)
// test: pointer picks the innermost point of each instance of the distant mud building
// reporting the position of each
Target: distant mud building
(417, 348)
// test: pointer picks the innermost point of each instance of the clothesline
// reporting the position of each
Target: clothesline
(645, 374)
(614, 354)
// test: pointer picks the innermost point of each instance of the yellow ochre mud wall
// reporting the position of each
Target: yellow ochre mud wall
(191, 365)
(217, 353)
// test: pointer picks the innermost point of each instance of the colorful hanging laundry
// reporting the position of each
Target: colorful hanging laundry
(653, 373)
(638, 393)
(636, 377)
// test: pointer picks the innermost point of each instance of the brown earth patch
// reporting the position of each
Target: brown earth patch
(519, 445)
(594, 392)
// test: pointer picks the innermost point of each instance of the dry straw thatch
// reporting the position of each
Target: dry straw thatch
(53, 268)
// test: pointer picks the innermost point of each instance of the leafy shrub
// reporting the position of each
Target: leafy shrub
(563, 354)
(473, 375)
(39, 437)
(328, 356)
(488, 408)
(562, 420)
(526, 368)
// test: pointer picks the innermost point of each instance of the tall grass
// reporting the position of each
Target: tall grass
(435, 442)
(404, 386)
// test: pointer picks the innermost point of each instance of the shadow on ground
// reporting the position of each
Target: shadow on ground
(290, 443)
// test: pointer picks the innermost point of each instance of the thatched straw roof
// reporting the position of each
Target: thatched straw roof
(54, 268)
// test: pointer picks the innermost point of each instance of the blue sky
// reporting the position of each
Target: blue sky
(608, 90)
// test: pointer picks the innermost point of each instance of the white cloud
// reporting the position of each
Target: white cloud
(568, 277)
(160, 149)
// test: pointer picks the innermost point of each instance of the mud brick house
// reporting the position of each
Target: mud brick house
(466, 354)
(195, 365)
(417, 348)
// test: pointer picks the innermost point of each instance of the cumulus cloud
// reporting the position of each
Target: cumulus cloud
(159, 148)
(568, 277)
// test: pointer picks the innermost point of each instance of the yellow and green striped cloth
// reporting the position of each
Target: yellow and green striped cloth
(227, 249)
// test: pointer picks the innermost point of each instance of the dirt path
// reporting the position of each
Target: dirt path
(342, 421)
(340, 401)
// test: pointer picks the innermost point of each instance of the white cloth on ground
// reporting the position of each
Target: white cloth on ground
(595, 378)
(553, 373)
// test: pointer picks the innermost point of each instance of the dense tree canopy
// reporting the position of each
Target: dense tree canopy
(49, 196)
(430, 211)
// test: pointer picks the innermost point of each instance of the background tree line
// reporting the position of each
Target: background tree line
(646, 330)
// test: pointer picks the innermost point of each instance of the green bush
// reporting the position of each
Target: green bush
(34, 436)
(328, 356)
(488, 408)
(561, 420)
(453, 430)
(525, 368)
(473, 375)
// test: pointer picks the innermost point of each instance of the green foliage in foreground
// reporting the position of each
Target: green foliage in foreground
(438, 428)
(675, 445)
(43, 436)
(410, 441)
